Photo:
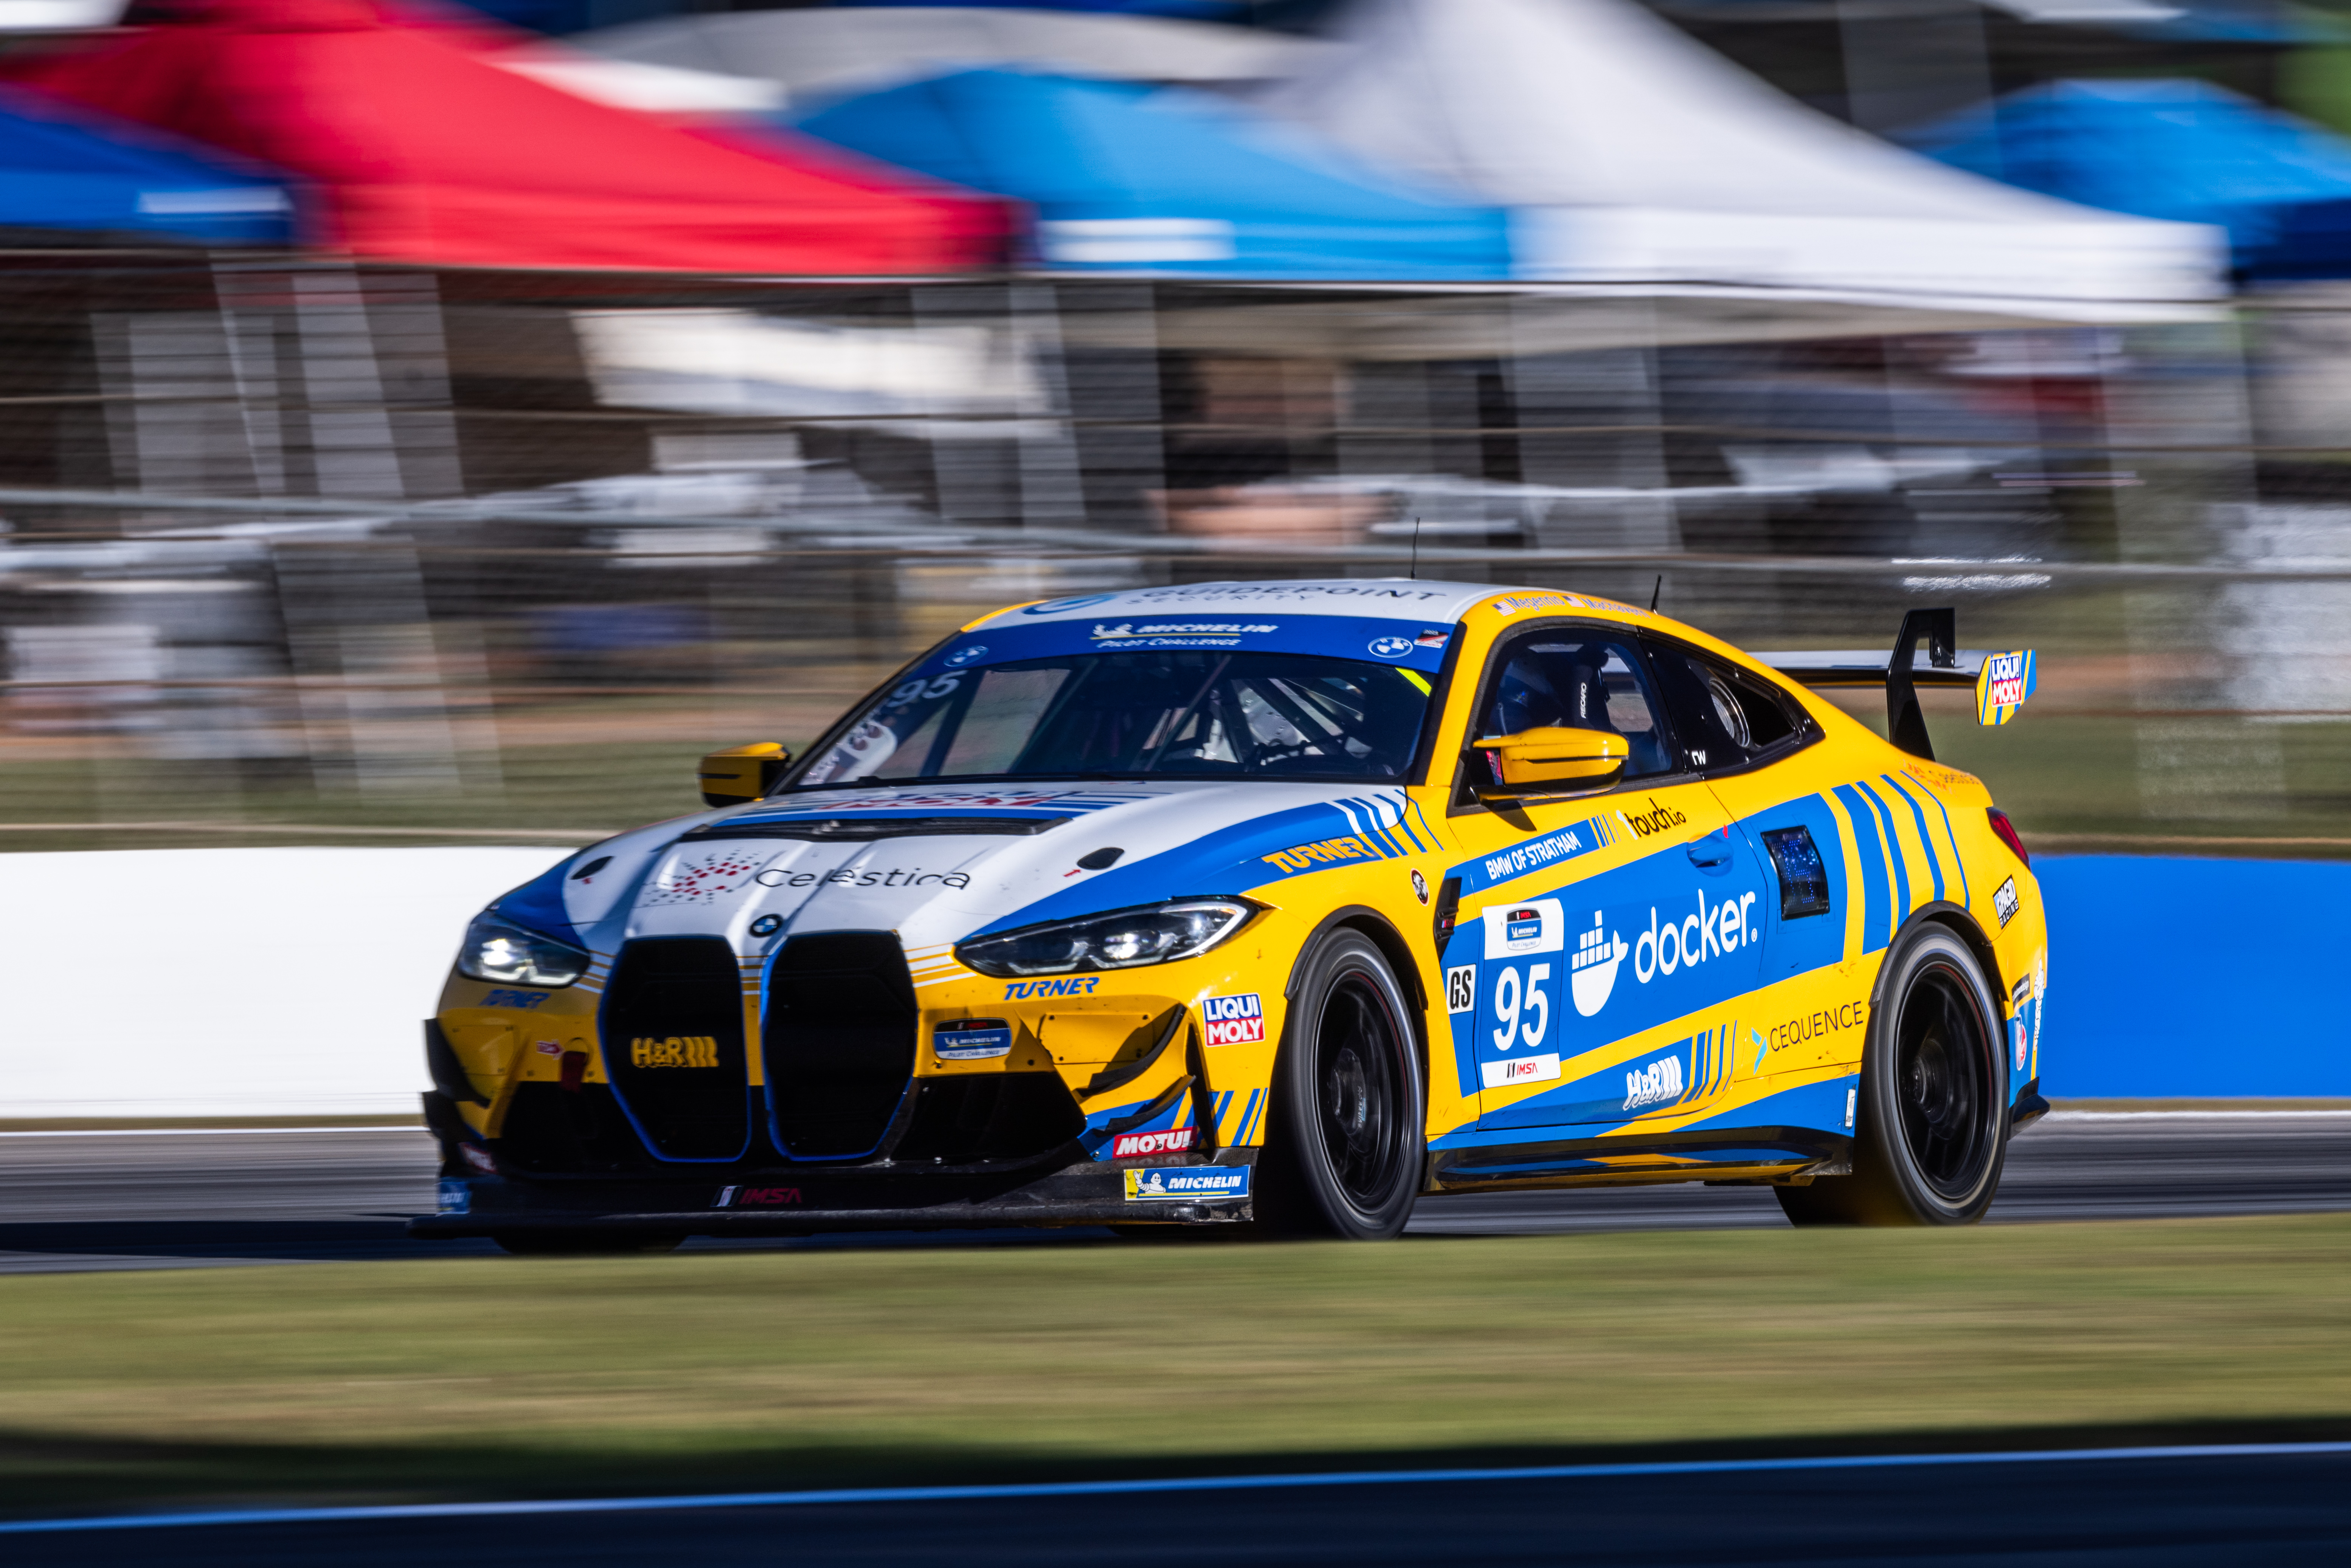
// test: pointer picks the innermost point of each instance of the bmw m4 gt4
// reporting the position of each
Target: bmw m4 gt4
(1274, 905)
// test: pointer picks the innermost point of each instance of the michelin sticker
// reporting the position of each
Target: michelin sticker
(1164, 1185)
(972, 1040)
(1534, 926)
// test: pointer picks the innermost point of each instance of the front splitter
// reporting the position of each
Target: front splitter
(1215, 1190)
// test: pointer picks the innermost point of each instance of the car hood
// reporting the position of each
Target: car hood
(940, 863)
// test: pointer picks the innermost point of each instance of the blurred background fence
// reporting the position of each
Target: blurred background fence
(315, 550)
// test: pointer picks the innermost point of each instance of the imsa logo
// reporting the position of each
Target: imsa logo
(677, 1050)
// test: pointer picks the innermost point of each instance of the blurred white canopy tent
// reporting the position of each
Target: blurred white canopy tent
(634, 84)
(1635, 155)
(818, 53)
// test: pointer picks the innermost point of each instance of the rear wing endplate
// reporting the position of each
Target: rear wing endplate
(2003, 680)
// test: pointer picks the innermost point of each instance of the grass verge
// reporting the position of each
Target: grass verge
(491, 1377)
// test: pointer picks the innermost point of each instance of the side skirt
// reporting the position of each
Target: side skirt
(1729, 1153)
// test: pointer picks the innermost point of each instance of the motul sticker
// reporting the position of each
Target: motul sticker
(1173, 1141)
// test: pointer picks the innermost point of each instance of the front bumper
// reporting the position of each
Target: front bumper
(1211, 1190)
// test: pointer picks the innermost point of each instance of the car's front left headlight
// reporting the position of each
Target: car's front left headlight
(505, 953)
(1155, 934)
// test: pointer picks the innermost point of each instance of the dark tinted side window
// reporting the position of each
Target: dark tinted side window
(1723, 717)
(1577, 680)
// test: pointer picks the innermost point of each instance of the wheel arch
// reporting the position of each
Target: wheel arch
(1962, 925)
(1380, 931)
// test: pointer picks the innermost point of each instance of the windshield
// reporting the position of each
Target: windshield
(1185, 715)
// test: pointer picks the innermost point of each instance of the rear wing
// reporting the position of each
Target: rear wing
(2001, 681)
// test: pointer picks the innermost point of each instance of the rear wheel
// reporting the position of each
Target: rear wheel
(1932, 1116)
(1348, 1110)
(583, 1243)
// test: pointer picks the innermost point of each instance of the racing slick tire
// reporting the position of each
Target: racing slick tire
(1932, 1114)
(583, 1243)
(1349, 1123)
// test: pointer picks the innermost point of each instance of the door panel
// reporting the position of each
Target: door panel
(1586, 988)
(1599, 938)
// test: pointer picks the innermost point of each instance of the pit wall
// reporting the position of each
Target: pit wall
(290, 981)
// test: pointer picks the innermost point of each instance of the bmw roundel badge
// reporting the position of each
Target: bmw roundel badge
(1391, 647)
(766, 926)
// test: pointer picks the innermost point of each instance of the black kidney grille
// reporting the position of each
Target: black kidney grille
(672, 1027)
(838, 1042)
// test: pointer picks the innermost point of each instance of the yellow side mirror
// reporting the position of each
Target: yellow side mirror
(1548, 761)
(742, 773)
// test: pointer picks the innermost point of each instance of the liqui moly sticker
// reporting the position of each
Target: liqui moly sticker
(2003, 683)
(1234, 1020)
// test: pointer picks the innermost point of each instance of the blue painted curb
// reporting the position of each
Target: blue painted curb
(2168, 979)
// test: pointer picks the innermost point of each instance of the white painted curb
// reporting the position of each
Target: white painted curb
(233, 981)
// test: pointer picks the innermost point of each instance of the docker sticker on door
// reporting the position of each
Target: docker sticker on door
(1609, 958)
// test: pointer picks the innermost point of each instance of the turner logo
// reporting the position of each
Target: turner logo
(1714, 930)
(1591, 973)
(1654, 1084)
(1655, 820)
(1234, 1020)
(1329, 852)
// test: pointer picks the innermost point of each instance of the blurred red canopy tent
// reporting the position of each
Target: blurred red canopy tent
(423, 151)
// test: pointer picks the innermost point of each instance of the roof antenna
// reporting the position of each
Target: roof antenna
(1416, 549)
(1660, 587)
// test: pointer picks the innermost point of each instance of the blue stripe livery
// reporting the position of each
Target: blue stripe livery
(1554, 848)
(1869, 847)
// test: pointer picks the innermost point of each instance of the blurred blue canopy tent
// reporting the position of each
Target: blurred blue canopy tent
(67, 169)
(2183, 150)
(1126, 179)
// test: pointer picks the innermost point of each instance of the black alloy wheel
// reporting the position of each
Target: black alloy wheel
(1932, 1112)
(1350, 1112)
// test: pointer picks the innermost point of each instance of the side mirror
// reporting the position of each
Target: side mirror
(741, 773)
(1549, 761)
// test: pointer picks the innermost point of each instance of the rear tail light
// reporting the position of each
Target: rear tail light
(2007, 832)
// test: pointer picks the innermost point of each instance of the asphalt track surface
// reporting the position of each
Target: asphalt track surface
(2146, 1512)
(87, 1201)
(124, 1201)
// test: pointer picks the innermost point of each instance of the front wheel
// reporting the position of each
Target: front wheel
(1933, 1107)
(1348, 1130)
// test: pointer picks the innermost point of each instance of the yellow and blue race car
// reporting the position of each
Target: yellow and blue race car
(1274, 905)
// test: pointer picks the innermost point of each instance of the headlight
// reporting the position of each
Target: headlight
(501, 951)
(1156, 933)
